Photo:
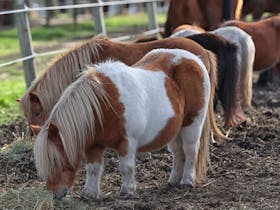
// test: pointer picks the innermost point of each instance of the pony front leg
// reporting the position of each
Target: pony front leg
(127, 170)
(92, 186)
(176, 148)
(94, 170)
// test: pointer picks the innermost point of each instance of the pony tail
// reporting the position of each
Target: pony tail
(202, 159)
(246, 74)
(213, 80)
(230, 97)
(209, 124)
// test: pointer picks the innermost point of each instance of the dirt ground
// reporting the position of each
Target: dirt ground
(244, 172)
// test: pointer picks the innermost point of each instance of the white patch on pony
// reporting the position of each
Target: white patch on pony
(93, 175)
(141, 92)
(185, 33)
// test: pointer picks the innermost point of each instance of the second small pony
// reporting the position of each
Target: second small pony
(162, 99)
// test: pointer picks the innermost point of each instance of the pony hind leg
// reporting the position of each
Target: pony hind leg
(176, 148)
(127, 170)
(191, 139)
(94, 170)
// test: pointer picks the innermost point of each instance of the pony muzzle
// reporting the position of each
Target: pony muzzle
(61, 194)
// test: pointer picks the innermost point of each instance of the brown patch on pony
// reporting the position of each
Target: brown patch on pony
(190, 81)
(113, 126)
(173, 125)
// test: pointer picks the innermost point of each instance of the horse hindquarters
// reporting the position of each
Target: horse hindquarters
(190, 148)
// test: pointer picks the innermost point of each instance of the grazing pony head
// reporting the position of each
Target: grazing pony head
(61, 142)
(52, 162)
(42, 95)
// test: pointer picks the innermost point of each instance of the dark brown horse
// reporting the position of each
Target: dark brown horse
(207, 14)
(258, 7)
(266, 36)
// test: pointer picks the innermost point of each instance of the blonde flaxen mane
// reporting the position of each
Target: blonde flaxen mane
(74, 116)
(62, 71)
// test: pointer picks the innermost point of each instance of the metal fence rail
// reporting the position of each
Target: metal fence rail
(22, 22)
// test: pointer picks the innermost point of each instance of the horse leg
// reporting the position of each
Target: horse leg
(94, 170)
(178, 161)
(191, 142)
(127, 170)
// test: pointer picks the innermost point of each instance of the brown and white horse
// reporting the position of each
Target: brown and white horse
(207, 14)
(162, 99)
(40, 98)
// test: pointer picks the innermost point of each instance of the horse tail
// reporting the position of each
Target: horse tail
(203, 152)
(229, 83)
(209, 124)
(246, 80)
(213, 80)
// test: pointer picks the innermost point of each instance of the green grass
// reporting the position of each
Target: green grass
(12, 88)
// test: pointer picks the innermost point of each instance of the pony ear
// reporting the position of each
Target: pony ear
(34, 98)
(35, 129)
(53, 133)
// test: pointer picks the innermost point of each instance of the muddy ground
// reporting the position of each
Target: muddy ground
(244, 172)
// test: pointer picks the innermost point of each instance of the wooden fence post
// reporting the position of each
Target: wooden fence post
(25, 42)
(98, 16)
(152, 11)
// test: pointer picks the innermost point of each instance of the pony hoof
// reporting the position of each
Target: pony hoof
(88, 195)
(126, 193)
(173, 185)
(186, 186)
(236, 120)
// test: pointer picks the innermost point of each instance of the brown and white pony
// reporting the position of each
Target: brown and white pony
(246, 49)
(207, 14)
(266, 36)
(258, 7)
(40, 98)
(162, 99)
